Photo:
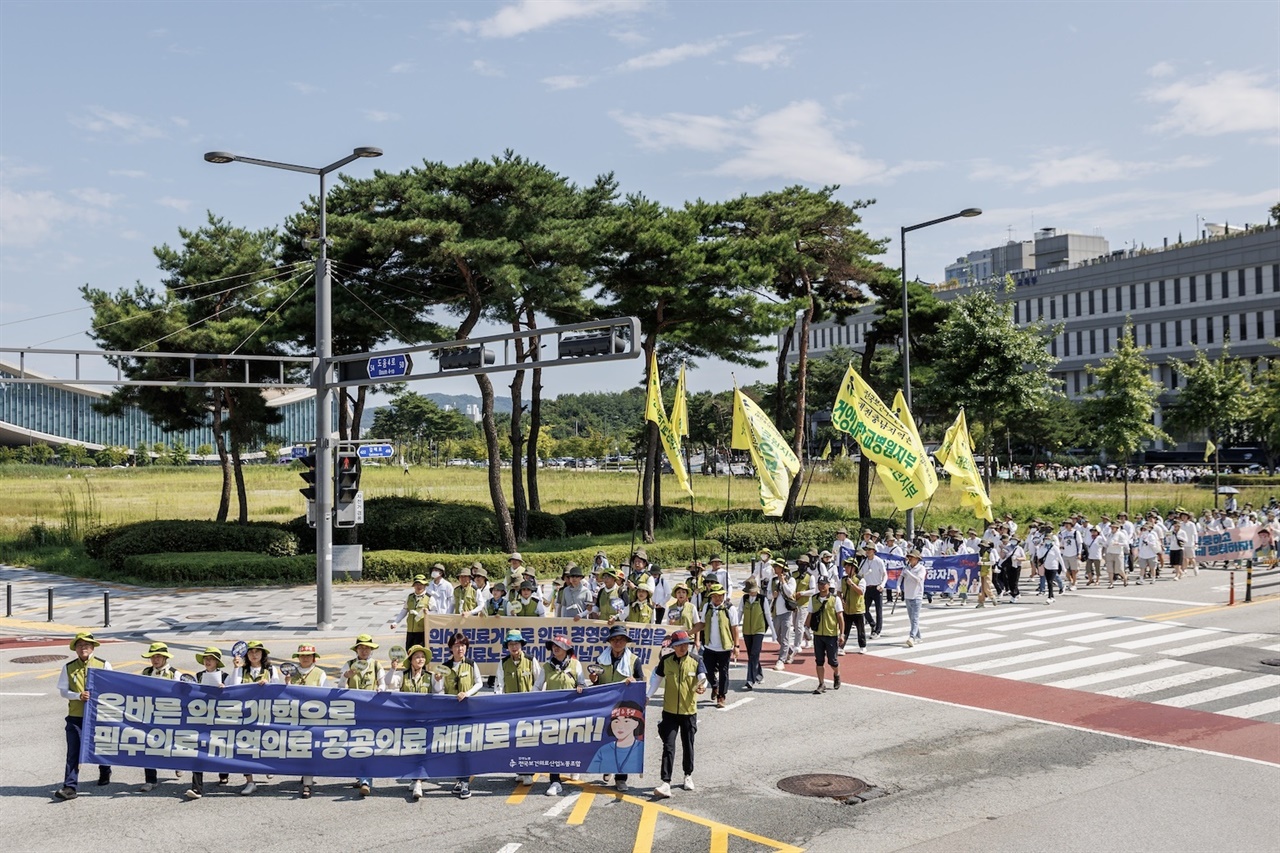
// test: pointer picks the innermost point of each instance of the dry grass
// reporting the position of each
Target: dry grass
(39, 495)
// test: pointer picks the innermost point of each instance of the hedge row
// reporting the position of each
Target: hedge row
(219, 568)
(1242, 480)
(158, 537)
(607, 520)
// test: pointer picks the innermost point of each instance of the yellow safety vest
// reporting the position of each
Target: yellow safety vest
(517, 676)
(77, 676)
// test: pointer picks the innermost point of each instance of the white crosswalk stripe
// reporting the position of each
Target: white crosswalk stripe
(1168, 682)
(1141, 628)
(1220, 642)
(1254, 709)
(1016, 660)
(1225, 691)
(1067, 666)
(1188, 634)
(962, 640)
(986, 650)
(1074, 628)
(1116, 674)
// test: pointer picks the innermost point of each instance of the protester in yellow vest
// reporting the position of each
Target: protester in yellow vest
(306, 674)
(461, 678)
(641, 609)
(800, 633)
(254, 668)
(416, 606)
(561, 671)
(466, 602)
(212, 675)
(683, 678)
(611, 600)
(680, 611)
(72, 680)
(364, 673)
(614, 664)
(754, 613)
(853, 590)
(414, 679)
(526, 604)
(824, 620)
(518, 673)
(718, 625)
(159, 656)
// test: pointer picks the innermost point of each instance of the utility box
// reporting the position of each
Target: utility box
(348, 562)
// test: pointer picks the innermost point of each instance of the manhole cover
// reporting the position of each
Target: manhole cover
(1271, 662)
(39, 658)
(822, 785)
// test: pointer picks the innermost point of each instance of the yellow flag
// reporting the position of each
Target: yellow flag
(680, 407)
(956, 457)
(929, 477)
(1209, 449)
(885, 440)
(844, 449)
(826, 451)
(656, 412)
(775, 463)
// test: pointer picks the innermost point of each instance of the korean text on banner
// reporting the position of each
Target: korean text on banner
(953, 575)
(134, 721)
(1248, 542)
(656, 412)
(884, 439)
(775, 463)
(488, 637)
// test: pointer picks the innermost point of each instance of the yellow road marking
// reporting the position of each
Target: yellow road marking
(719, 841)
(1212, 608)
(521, 792)
(591, 790)
(580, 809)
(33, 626)
(644, 833)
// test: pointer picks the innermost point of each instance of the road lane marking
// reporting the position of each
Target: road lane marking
(1115, 674)
(1188, 634)
(744, 700)
(1141, 628)
(644, 832)
(24, 694)
(942, 644)
(1254, 709)
(559, 808)
(580, 809)
(1077, 628)
(1168, 682)
(799, 678)
(719, 841)
(1230, 640)
(1066, 666)
(983, 666)
(521, 791)
(985, 650)
(1202, 697)
(509, 848)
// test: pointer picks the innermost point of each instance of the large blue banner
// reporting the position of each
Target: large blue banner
(954, 575)
(135, 721)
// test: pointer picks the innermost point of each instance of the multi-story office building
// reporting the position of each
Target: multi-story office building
(59, 413)
(1049, 250)
(1181, 298)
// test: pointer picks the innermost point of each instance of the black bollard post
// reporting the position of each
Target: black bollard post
(1248, 581)
(8, 600)
(106, 609)
(50, 604)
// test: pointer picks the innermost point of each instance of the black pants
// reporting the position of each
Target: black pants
(755, 672)
(414, 638)
(875, 605)
(1050, 581)
(71, 773)
(686, 725)
(1011, 577)
(858, 622)
(717, 664)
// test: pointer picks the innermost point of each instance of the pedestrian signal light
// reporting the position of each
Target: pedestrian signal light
(308, 476)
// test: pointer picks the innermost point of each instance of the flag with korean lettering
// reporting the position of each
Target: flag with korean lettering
(656, 412)
(774, 461)
(885, 440)
(132, 721)
(956, 457)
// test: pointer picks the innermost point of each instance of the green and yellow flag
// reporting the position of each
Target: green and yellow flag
(1209, 449)
(826, 451)
(656, 412)
(924, 476)
(680, 407)
(956, 457)
(886, 440)
(775, 463)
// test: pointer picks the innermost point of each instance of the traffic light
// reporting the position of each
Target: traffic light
(607, 342)
(465, 358)
(309, 476)
(347, 474)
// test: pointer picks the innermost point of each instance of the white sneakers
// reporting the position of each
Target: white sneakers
(554, 789)
(192, 794)
(662, 791)
(911, 641)
(688, 783)
(145, 787)
(248, 789)
(526, 779)
(779, 666)
(416, 793)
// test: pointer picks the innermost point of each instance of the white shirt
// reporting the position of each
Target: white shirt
(712, 616)
(874, 571)
(913, 581)
(441, 594)
(786, 588)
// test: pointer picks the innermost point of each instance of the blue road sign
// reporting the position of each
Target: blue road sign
(389, 366)
(375, 451)
(299, 451)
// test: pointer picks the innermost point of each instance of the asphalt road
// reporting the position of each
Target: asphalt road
(950, 773)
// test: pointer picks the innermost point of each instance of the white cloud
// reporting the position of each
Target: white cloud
(95, 198)
(526, 16)
(629, 37)
(797, 142)
(305, 88)
(11, 169)
(1161, 69)
(671, 55)
(180, 204)
(766, 55)
(127, 173)
(401, 68)
(180, 121)
(381, 116)
(1055, 168)
(28, 218)
(131, 127)
(1119, 212)
(561, 82)
(1228, 102)
(485, 68)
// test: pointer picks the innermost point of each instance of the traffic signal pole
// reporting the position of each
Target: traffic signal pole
(324, 426)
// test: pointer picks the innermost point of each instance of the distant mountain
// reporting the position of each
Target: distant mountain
(458, 401)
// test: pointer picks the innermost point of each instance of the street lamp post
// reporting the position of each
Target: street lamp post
(906, 328)
(319, 378)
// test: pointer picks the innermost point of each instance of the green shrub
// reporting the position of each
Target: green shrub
(545, 525)
(410, 524)
(96, 540)
(1241, 480)
(219, 568)
(600, 520)
(175, 537)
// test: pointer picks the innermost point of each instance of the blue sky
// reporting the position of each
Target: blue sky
(1124, 119)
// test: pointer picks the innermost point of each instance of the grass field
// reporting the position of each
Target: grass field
(58, 498)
